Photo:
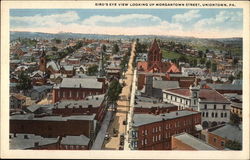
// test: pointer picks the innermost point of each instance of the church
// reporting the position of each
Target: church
(154, 62)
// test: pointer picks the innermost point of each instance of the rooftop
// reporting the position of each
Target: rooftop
(193, 141)
(205, 94)
(225, 86)
(75, 140)
(143, 119)
(231, 132)
(94, 101)
(26, 141)
(81, 83)
(165, 84)
(52, 118)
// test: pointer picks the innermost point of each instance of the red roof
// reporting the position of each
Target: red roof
(142, 66)
(173, 69)
(204, 95)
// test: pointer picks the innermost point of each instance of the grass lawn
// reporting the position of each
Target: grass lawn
(173, 55)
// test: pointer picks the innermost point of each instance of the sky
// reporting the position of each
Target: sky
(200, 23)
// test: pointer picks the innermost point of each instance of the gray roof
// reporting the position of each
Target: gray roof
(35, 107)
(145, 99)
(68, 68)
(95, 101)
(80, 82)
(19, 142)
(54, 65)
(75, 140)
(193, 142)
(152, 104)
(231, 132)
(225, 86)
(52, 118)
(165, 84)
(143, 119)
(237, 105)
(41, 88)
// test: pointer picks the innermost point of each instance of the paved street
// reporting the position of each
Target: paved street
(122, 106)
(101, 134)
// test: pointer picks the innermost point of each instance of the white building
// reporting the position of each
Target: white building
(214, 107)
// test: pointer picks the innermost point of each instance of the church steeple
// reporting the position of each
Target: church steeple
(154, 57)
(42, 62)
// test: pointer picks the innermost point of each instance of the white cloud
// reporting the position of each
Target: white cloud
(223, 20)
(186, 17)
(132, 24)
(48, 20)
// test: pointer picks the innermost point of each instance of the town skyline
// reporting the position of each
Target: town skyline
(198, 23)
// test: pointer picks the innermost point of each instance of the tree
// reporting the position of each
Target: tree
(54, 48)
(231, 78)
(104, 47)
(202, 61)
(183, 58)
(24, 81)
(115, 49)
(200, 54)
(233, 145)
(114, 90)
(92, 70)
(214, 67)
(235, 119)
(207, 50)
(208, 64)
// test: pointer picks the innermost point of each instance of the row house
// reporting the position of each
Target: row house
(154, 132)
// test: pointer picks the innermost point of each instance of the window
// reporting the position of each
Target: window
(175, 99)
(70, 94)
(166, 126)
(153, 130)
(146, 141)
(215, 106)
(224, 107)
(159, 137)
(142, 142)
(203, 114)
(135, 144)
(63, 94)
(58, 94)
(215, 140)
(186, 102)
(159, 128)
(142, 132)
(221, 115)
(194, 102)
(212, 114)
(156, 138)
(216, 115)
(153, 139)
(156, 129)
(146, 132)
(205, 106)
(222, 143)
(225, 114)
(171, 97)
(77, 95)
(206, 114)
(181, 100)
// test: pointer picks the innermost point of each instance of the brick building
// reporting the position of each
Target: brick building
(223, 135)
(53, 126)
(154, 132)
(78, 88)
(95, 104)
(185, 141)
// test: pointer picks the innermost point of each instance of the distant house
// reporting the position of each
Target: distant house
(39, 92)
(38, 78)
(80, 142)
(17, 101)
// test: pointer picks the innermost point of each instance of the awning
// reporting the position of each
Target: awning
(198, 127)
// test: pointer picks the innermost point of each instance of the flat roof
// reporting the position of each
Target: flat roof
(52, 118)
(143, 119)
(19, 142)
(75, 140)
(193, 141)
(81, 83)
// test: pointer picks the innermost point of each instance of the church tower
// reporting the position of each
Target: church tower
(42, 62)
(154, 58)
